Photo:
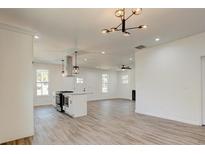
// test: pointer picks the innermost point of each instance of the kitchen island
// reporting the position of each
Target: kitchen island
(75, 104)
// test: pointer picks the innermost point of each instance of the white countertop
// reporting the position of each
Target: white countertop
(77, 93)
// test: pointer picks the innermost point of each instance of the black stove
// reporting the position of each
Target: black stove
(60, 99)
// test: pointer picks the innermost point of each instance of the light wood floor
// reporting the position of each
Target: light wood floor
(110, 122)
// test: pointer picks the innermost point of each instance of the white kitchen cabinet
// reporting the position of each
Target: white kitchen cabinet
(75, 104)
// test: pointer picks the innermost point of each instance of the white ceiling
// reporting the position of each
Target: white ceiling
(63, 30)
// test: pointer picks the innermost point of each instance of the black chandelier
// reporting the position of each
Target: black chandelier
(120, 13)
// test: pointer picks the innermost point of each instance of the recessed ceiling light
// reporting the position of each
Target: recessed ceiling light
(130, 59)
(36, 36)
(103, 52)
(85, 59)
(157, 39)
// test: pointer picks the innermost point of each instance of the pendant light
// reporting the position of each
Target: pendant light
(76, 67)
(62, 71)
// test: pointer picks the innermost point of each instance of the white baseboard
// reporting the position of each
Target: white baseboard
(168, 118)
(42, 104)
(109, 99)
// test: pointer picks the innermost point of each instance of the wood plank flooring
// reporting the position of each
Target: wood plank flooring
(111, 122)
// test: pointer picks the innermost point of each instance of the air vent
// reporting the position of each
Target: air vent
(140, 47)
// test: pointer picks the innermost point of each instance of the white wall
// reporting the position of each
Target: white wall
(16, 104)
(203, 89)
(92, 83)
(168, 80)
(125, 90)
(56, 83)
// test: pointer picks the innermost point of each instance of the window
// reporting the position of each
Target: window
(104, 83)
(124, 79)
(79, 80)
(42, 82)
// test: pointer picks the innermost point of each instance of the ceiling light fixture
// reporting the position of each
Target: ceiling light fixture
(123, 68)
(36, 36)
(103, 52)
(120, 13)
(157, 39)
(76, 67)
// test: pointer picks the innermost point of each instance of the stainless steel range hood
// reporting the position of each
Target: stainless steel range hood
(68, 66)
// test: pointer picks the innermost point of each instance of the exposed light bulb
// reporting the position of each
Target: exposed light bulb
(104, 31)
(113, 29)
(142, 26)
(126, 34)
(137, 11)
(119, 13)
(103, 52)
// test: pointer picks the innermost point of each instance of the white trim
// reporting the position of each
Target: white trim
(185, 121)
(202, 90)
(114, 98)
(42, 104)
(16, 29)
